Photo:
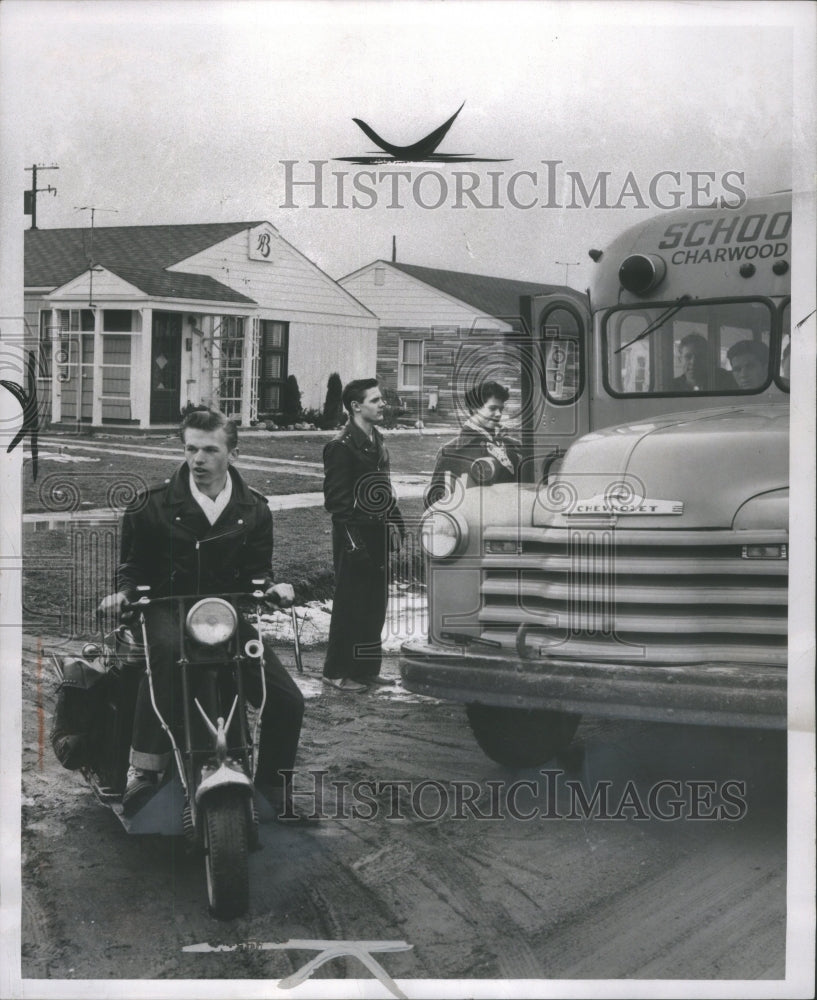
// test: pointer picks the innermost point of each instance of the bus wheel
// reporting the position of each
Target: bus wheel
(519, 737)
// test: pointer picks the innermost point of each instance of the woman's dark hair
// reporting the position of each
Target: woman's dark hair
(205, 419)
(480, 394)
(355, 391)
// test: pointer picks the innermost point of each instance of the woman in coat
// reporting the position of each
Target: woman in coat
(481, 452)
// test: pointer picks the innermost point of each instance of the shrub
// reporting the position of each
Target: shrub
(333, 412)
(291, 400)
(311, 416)
(395, 408)
(191, 408)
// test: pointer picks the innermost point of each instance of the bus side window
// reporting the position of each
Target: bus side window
(630, 368)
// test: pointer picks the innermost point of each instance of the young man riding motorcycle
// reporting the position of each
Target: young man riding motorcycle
(202, 532)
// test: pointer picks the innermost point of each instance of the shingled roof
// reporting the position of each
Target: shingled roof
(498, 297)
(139, 255)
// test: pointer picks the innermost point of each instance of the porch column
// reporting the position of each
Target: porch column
(54, 347)
(249, 371)
(96, 371)
(140, 369)
(209, 363)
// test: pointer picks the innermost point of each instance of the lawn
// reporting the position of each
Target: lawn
(412, 452)
(98, 480)
(69, 566)
(66, 570)
(110, 481)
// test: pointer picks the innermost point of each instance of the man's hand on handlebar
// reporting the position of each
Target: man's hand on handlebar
(112, 603)
(281, 594)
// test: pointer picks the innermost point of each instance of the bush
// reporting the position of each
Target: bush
(291, 400)
(311, 416)
(333, 413)
(191, 408)
(395, 408)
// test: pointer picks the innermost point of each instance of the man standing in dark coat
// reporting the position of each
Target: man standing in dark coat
(358, 494)
(202, 532)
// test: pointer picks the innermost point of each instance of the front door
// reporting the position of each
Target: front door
(165, 368)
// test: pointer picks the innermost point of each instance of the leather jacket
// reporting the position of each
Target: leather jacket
(168, 543)
(357, 486)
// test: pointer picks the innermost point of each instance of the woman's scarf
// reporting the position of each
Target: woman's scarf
(494, 445)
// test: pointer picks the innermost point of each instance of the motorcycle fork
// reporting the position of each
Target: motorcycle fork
(216, 696)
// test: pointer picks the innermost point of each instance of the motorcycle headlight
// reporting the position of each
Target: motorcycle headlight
(211, 621)
(442, 534)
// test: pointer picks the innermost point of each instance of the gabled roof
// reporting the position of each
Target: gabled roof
(179, 285)
(497, 297)
(138, 254)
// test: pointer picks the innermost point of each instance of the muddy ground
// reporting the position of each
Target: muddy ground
(486, 896)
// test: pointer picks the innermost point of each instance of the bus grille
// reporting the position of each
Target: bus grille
(604, 593)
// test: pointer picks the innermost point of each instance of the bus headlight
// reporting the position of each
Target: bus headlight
(441, 534)
(642, 272)
(211, 621)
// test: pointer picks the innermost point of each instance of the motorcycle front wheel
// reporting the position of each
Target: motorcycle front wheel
(226, 840)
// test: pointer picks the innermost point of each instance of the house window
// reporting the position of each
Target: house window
(76, 319)
(410, 374)
(116, 384)
(273, 364)
(117, 320)
(228, 348)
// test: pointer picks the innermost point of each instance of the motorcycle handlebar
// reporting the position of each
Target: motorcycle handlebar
(133, 606)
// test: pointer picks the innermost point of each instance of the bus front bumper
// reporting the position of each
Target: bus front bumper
(722, 694)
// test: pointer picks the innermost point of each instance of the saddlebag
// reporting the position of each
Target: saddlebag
(78, 716)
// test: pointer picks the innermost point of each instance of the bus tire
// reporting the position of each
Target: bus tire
(520, 737)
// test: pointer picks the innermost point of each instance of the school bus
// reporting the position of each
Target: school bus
(641, 570)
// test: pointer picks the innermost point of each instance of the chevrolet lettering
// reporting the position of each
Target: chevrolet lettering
(608, 505)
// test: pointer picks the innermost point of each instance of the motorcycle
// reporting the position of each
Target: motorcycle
(207, 793)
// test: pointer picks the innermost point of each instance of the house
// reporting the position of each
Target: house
(442, 331)
(131, 323)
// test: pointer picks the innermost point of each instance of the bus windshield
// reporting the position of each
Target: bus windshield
(701, 347)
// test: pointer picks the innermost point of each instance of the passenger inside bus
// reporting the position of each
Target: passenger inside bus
(750, 363)
(698, 373)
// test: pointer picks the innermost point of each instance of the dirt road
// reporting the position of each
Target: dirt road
(453, 868)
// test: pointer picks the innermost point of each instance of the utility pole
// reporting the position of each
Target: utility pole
(91, 263)
(566, 265)
(30, 197)
(393, 249)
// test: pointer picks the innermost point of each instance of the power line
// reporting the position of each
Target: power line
(566, 265)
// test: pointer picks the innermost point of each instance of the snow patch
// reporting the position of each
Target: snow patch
(64, 458)
(406, 618)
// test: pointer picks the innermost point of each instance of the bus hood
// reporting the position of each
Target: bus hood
(676, 471)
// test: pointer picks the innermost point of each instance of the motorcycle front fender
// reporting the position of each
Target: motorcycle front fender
(223, 776)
